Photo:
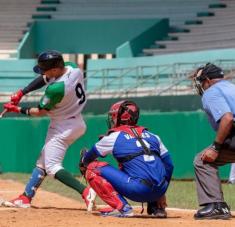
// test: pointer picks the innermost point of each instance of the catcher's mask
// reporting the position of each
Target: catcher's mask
(123, 113)
(48, 60)
(209, 71)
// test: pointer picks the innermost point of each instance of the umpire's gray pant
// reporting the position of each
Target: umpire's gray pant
(208, 183)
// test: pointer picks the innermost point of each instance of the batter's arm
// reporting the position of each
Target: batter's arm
(32, 111)
(36, 84)
(37, 112)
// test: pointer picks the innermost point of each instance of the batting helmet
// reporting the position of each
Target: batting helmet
(123, 113)
(209, 71)
(48, 60)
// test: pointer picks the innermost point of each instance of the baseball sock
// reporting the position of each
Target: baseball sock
(35, 181)
(67, 178)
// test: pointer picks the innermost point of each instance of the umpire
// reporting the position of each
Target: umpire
(218, 100)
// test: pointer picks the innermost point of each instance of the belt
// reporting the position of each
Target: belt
(146, 183)
(151, 185)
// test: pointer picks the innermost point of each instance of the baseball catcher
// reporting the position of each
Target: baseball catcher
(145, 164)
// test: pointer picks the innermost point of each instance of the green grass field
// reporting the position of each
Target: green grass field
(181, 194)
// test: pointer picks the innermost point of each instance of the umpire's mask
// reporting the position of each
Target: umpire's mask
(209, 71)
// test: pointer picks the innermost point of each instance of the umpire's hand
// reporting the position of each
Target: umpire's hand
(209, 155)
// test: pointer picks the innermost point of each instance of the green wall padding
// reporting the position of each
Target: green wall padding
(184, 134)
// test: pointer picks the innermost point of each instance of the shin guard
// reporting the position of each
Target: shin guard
(102, 187)
(35, 181)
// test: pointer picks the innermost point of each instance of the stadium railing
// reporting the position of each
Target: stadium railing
(168, 79)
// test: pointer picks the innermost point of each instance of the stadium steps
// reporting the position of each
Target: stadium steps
(198, 39)
(49, 2)
(191, 12)
(204, 43)
(8, 46)
(112, 9)
(202, 36)
(194, 47)
(215, 32)
(16, 16)
(211, 27)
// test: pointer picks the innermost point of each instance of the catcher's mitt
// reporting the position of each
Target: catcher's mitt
(82, 167)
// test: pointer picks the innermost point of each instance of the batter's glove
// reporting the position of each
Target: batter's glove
(16, 97)
(11, 108)
(82, 167)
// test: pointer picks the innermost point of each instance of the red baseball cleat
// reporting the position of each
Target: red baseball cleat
(20, 202)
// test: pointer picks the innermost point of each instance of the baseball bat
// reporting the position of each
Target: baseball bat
(3, 112)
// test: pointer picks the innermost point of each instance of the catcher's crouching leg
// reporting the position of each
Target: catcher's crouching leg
(157, 208)
(101, 186)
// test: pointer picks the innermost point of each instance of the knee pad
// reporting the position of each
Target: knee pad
(96, 164)
(94, 169)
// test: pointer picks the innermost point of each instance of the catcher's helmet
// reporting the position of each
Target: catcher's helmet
(123, 113)
(209, 71)
(48, 60)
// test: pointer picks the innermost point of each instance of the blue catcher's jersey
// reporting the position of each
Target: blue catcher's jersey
(121, 144)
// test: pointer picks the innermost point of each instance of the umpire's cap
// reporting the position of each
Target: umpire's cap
(209, 71)
(48, 60)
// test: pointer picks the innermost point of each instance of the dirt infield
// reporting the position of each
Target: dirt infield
(52, 210)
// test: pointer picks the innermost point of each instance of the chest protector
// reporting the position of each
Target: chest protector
(136, 132)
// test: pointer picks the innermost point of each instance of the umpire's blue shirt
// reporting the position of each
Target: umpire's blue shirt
(218, 100)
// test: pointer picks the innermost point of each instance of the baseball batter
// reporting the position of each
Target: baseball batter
(63, 102)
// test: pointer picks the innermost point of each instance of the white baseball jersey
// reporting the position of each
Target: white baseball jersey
(65, 97)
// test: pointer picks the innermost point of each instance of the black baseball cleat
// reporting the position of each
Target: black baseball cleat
(218, 210)
(153, 210)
